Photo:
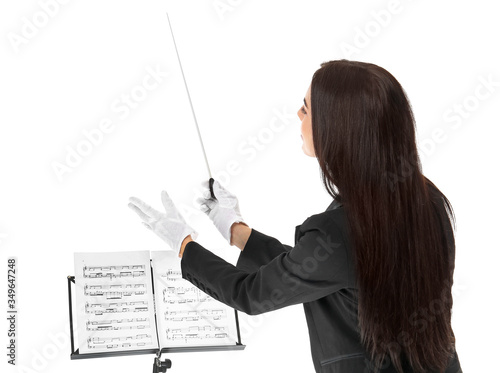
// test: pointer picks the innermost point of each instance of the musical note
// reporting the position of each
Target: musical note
(114, 271)
(197, 332)
(119, 297)
(99, 340)
(100, 308)
(118, 324)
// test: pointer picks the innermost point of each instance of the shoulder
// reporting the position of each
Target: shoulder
(327, 221)
(325, 242)
(331, 225)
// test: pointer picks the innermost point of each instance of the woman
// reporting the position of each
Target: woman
(374, 271)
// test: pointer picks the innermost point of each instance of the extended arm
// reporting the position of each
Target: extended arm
(314, 268)
(267, 247)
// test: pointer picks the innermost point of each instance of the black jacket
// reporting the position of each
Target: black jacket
(318, 272)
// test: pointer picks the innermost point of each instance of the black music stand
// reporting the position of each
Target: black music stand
(158, 365)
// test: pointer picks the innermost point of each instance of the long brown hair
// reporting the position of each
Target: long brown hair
(403, 244)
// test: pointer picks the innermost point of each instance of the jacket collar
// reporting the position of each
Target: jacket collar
(335, 204)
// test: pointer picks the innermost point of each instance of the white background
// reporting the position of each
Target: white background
(245, 65)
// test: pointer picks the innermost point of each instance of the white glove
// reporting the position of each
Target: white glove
(224, 211)
(170, 227)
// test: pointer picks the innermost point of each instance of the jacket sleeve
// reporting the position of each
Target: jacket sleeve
(263, 249)
(315, 267)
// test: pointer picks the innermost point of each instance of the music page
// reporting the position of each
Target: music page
(114, 298)
(186, 315)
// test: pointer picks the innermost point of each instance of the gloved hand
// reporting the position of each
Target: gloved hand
(169, 226)
(224, 211)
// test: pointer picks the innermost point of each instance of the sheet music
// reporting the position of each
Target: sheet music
(186, 315)
(114, 296)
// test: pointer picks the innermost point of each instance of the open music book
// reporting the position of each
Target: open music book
(130, 301)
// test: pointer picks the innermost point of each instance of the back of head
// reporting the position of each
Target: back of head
(364, 140)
